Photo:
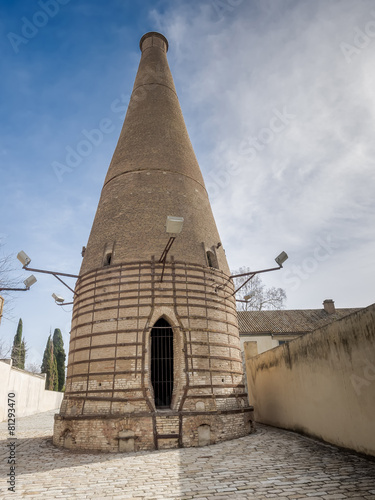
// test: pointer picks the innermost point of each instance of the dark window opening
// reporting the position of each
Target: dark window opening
(107, 259)
(162, 363)
(212, 260)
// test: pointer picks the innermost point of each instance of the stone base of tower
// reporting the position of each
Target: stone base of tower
(160, 430)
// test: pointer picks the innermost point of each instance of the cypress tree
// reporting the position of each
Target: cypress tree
(60, 356)
(49, 366)
(55, 377)
(44, 367)
(17, 349)
(22, 357)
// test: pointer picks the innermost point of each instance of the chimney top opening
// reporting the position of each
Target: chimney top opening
(153, 34)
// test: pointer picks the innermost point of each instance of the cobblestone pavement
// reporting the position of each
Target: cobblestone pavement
(271, 463)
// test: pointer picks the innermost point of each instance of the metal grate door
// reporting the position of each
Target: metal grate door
(162, 363)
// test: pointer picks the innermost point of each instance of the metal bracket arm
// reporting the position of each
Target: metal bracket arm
(56, 275)
(163, 257)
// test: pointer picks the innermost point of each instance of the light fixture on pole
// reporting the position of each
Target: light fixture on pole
(280, 259)
(28, 282)
(23, 258)
(173, 226)
(246, 297)
(58, 298)
(25, 261)
(60, 301)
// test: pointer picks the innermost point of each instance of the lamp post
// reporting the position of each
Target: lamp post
(280, 259)
(25, 261)
(172, 226)
(28, 283)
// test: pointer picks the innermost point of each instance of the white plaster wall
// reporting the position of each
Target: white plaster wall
(264, 342)
(31, 396)
(322, 384)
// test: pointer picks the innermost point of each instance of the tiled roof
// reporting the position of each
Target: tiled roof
(288, 321)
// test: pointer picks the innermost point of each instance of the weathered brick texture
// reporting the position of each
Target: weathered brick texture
(109, 400)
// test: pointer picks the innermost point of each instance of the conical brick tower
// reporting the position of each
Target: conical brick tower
(154, 359)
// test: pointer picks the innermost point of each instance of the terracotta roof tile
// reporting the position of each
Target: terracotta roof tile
(288, 321)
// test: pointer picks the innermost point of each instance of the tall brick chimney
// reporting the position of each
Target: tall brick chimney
(329, 306)
(154, 359)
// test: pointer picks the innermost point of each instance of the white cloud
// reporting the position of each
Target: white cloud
(311, 183)
(314, 177)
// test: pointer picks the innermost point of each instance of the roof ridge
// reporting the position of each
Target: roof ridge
(300, 310)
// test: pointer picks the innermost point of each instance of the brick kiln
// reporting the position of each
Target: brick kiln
(154, 358)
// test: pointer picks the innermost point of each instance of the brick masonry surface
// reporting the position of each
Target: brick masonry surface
(109, 359)
(271, 463)
(125, 286)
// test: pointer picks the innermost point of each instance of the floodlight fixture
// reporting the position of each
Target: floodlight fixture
(30, 281)
(23, 258)
(280, 259)
(58, 298)
(174, 224)
(25, 261)
(248, 297)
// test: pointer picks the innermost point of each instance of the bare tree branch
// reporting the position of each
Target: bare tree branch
(10, 277)
(33, 368)
(260, 297)
(5, 349)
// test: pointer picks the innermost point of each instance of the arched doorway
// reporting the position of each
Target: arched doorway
(162, 363)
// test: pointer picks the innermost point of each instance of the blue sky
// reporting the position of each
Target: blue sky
(279, 103)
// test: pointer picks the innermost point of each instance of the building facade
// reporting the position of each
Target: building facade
(154, 358)
(269, 329)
